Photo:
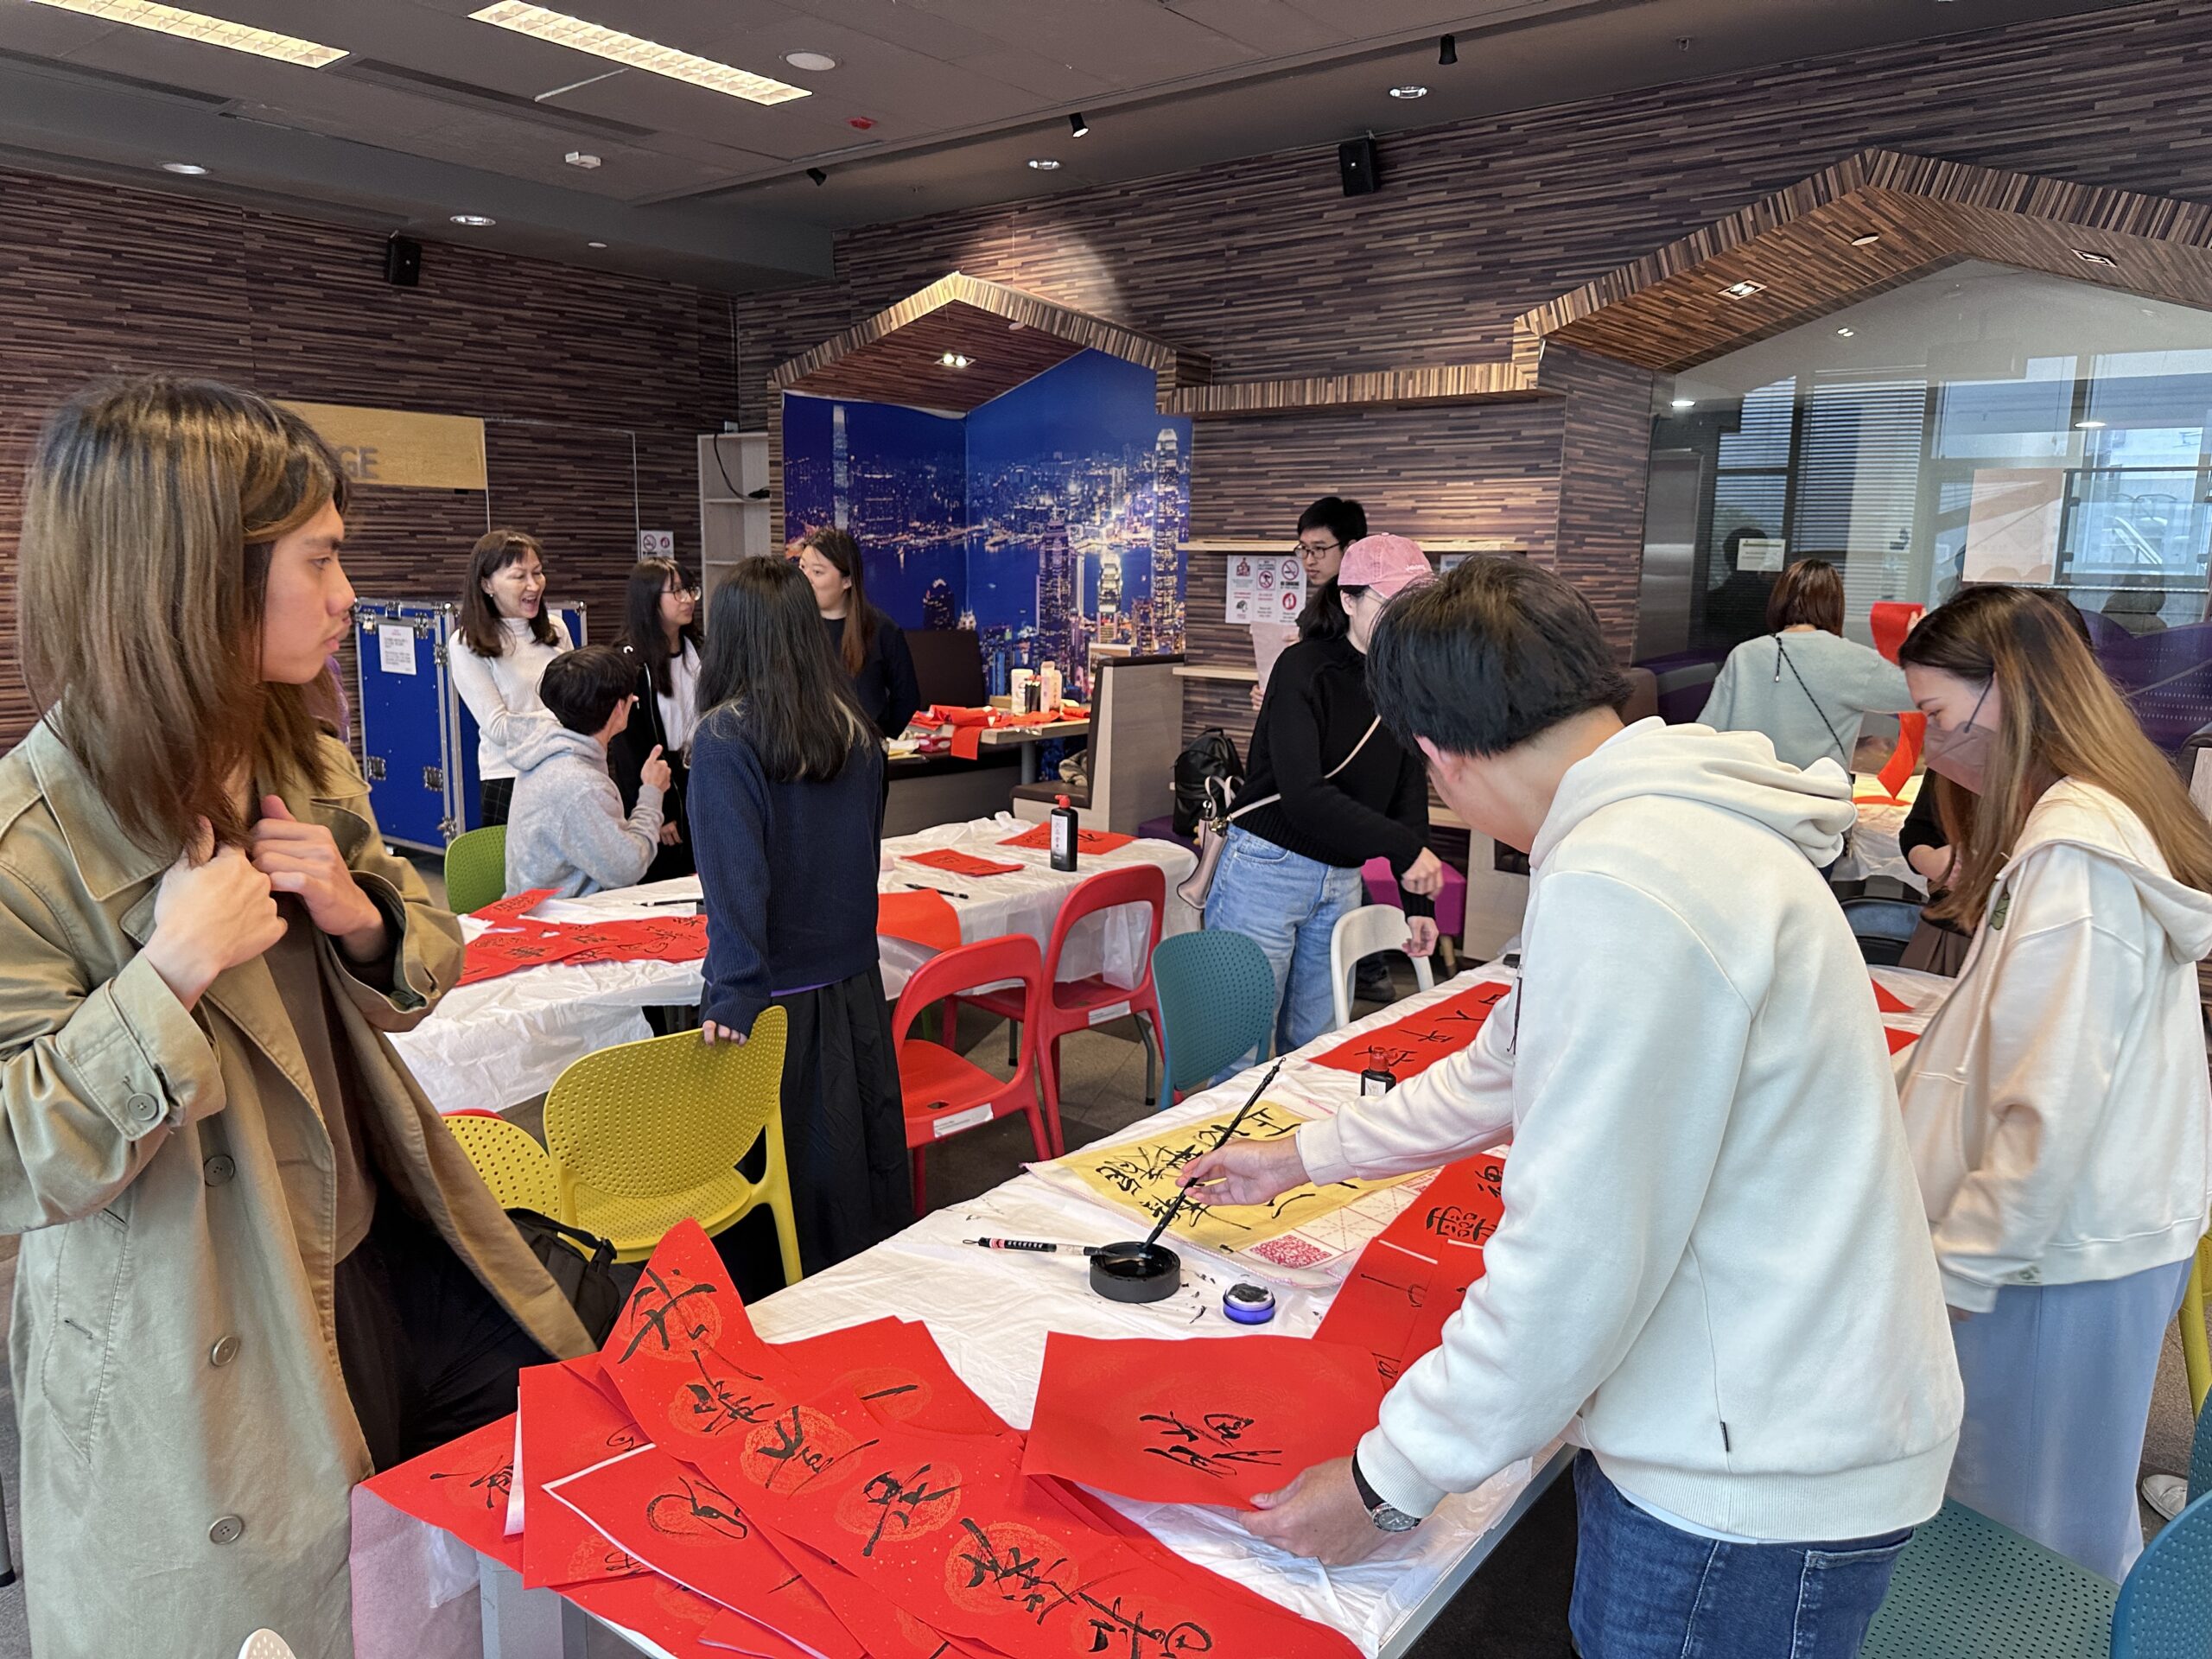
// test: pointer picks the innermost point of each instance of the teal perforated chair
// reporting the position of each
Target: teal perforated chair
(1968, 1589)
(1217, 1002)
(476, 869)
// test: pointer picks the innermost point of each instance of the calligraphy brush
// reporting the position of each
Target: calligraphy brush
(1183, 1193)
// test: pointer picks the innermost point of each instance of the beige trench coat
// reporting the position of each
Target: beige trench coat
(188, 1446)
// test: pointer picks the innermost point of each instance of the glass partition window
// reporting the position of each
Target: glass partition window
(1979, 424)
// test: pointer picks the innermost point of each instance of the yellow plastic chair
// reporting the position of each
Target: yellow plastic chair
(648, 1134)
(476, 869)
(2196, 1350)
(511, 1161)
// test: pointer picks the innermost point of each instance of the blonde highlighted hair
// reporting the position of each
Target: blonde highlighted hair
(2059, 717)
(149, 515)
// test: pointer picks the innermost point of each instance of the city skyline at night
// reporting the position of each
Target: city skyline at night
(1047, 519)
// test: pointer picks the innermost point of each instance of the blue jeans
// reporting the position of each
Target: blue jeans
(1645, 1590)
(1288, 903)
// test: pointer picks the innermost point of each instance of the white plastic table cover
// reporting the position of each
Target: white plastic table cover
(498, 1043)
(1874, 843)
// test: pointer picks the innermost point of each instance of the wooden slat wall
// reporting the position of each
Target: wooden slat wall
(564, 364)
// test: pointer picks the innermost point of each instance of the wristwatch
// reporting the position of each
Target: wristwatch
(1385, 1518)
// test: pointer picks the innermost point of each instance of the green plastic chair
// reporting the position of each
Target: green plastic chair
(476, 869)
(1968, 1589)
(1217, 1002)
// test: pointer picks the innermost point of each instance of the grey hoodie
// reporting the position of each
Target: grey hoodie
(565, 829)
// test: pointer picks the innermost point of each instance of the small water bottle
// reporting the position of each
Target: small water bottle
(1063, 827)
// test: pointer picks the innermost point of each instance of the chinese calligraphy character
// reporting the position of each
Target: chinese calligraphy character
(1128, 1635)
(491, 1485)
(914, 1503)
(1009, 1562)
(1211, 1447)
(699, 1512)
(656, 1303)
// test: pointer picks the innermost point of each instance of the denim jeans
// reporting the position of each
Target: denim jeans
(1288, 903)
(1645, 1590)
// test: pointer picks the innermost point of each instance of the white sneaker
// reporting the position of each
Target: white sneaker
(2167, 1494)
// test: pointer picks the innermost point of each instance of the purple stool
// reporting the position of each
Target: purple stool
(1451, 904)
(1162, 830)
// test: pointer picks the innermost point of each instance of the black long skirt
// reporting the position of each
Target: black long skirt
(844, 1130)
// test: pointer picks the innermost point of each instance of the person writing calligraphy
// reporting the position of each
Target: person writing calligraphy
(1727, 1299)
(255, 1264)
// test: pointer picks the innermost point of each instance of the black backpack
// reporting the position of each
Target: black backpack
(581, 1263)
(1210, 760)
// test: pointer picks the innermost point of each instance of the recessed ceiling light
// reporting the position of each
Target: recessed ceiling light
(1865, 238)
(633, 53)
(1409, 92)
(2088, 426)
(581, 158)
(2091, 257)
(814, 63)
(595, 245)
(197, 26)
(1846, 332)
(476, 221)
(190, 169)
(1043, 163)
(954, 360)
(1742, 290)
(1685, 403)
(1077, 126)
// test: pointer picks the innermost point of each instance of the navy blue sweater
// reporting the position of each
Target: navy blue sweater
(788, 869)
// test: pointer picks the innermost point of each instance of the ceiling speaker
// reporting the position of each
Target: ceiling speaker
(1355, 160)
(403, 262)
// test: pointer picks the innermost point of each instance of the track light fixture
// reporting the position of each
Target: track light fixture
(1077, 126)
(817, 175)
(1447, 49)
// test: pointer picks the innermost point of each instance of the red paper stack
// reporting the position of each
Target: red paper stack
(834, 1497)
(516, 940)
(1406, 1048)
(1040, 840)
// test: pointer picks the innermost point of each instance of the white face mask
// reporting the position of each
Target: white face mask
(1962, 756)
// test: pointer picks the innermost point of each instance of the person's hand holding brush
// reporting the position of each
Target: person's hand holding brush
(1245, 1171)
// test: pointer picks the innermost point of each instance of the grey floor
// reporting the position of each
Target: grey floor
(1514, 1609)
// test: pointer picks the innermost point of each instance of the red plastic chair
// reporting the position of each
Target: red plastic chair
(946, 1094)
(1078, 1004)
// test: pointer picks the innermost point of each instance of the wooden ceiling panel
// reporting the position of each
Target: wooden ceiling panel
(1671, 310)
(896, 355)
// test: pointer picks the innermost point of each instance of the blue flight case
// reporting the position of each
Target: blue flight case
(418, 740)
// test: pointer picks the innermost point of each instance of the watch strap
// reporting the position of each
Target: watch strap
(1368, 1494)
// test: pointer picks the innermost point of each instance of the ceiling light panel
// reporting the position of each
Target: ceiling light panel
(198, 26)
(633, 53)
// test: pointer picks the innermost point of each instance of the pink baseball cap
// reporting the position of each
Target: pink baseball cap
(1388, 564)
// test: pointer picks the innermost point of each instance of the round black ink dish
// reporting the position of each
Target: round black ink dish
(1136, 1272)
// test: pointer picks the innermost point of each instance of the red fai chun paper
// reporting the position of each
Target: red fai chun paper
(1197, 1420)
(568, 1425)
(924, 918)
(895, 1369)
(1406, 1048)
(953, 862)
(639, 938)
(1899, 1040)
(1093, 841)
(1888, 1001)
(513, 907)
(461, 1486)
(663, 1611)
(1413, 1275)
(511, 948)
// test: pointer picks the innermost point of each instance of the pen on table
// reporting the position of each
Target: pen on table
(1038, 1245)
(923, 887)
(664, 904)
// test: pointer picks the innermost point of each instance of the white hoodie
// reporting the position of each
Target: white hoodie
(2058, 1104)
(501, 691)
(1712, 1248)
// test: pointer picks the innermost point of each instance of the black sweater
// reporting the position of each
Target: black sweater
(625, 763)
(886, 685)
(1317, 708)
(788, 870)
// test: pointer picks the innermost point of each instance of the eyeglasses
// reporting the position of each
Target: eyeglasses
(1317, 547)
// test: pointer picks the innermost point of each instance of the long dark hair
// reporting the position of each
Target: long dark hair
(767, 671)
(863, 621)
(1324, 617)
(642, 631)
(496, 550)
(2059, 717)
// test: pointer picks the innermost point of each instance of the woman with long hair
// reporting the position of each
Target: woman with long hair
(787, 817)
(2058, 1103)
(508, 633)
(255, 1265)
(1802, 682)
(868, 644)
(661, 636)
